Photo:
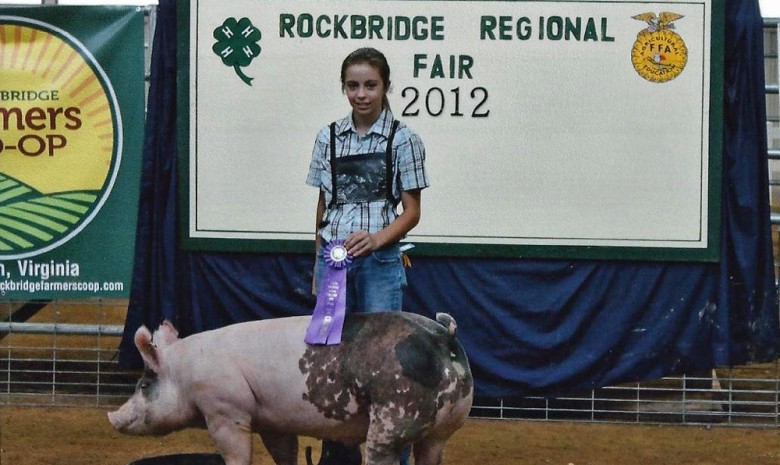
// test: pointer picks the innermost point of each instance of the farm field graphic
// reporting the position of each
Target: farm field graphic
(60, 145)
(30, 219)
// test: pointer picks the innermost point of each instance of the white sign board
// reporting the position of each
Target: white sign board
(560, 128)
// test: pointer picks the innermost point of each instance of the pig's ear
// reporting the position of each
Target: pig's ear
(150, 354)
(165, 335)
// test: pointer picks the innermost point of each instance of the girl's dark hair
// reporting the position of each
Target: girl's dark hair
(372, 57)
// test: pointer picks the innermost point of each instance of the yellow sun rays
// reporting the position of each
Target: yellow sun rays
(57, 87)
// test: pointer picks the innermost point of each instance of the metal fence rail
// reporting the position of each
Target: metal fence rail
(62, 353)
(725, 397)
(60, 328)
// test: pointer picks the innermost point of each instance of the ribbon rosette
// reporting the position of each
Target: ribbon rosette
(327, 320)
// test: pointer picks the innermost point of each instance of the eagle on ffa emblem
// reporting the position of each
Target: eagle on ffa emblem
(659, 54)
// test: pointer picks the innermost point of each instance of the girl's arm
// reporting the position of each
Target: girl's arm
(362, 243)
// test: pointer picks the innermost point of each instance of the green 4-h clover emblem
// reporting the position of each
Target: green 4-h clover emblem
(237, 44)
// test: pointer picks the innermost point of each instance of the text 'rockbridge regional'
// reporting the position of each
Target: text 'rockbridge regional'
(419, 28)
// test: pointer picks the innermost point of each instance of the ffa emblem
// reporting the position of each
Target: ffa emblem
(659, 54)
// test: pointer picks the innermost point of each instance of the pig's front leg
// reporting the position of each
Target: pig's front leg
(232, 435)
(282, 447)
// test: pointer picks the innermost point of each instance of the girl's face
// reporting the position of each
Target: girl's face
(365, 91)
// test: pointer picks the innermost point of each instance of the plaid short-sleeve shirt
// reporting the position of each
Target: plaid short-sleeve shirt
(408, 158)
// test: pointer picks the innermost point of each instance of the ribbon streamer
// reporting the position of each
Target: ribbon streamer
(327, 320)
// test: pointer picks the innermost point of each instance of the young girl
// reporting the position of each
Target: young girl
(361, 184)
(364, 166)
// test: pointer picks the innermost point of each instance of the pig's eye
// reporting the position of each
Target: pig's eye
(144, 384)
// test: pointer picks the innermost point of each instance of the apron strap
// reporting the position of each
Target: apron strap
(389, 164)
(332, 164)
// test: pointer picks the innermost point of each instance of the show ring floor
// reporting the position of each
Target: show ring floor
(83, 436)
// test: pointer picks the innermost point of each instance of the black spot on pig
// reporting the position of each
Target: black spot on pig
(352, 327)
(148, 384)
(417, 364)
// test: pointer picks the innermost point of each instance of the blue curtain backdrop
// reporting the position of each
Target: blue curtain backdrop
(529, 326)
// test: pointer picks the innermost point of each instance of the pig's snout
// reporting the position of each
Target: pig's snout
(121, 420)
(113, 418)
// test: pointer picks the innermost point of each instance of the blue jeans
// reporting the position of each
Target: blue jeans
(375, 283)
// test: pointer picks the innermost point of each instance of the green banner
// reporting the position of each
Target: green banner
(72, 114)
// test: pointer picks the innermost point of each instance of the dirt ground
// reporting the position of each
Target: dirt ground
(82, 436)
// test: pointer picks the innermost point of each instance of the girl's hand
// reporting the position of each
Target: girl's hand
(360, 244)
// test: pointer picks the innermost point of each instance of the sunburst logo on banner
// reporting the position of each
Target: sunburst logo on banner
(60, 143)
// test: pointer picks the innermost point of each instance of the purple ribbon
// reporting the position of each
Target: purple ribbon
(327, 320)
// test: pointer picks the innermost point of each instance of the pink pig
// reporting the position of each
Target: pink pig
(397, 379)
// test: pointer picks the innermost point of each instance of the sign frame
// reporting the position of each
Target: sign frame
(710, 233)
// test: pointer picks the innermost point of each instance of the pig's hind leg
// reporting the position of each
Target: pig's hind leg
(282, 447)
(380, 455)
(384, 441)
(428, 451)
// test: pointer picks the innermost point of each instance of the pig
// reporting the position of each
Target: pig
(396, 380)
